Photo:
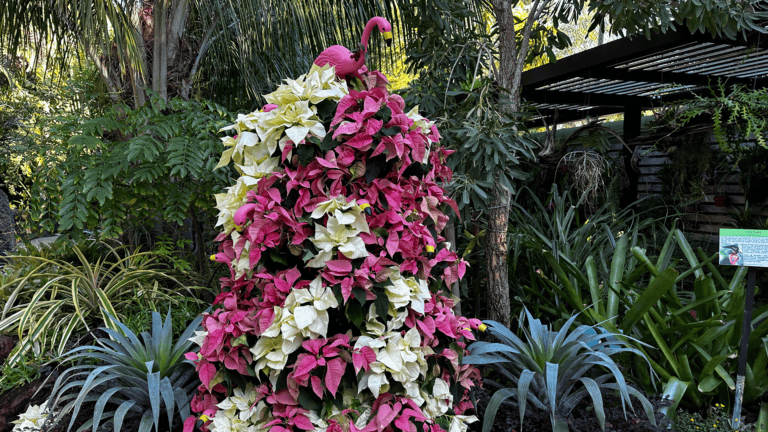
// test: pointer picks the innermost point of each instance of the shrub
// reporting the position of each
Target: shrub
(554, 371)
(108, 174)
(717, 420)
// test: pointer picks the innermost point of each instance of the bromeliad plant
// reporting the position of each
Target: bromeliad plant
(145, 378)
(333, 317)
(558, 226)
(555, 371)
(556, 231)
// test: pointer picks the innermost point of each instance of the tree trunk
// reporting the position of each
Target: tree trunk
(137, 76)
(178, 20)
(498, 217)
(160, 51)
(161, 31)
(200, 242)
(507, 49)
(496, 258)
(114, 92)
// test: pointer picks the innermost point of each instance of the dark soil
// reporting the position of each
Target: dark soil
(6, 346)
(15, 401)
(582, 418)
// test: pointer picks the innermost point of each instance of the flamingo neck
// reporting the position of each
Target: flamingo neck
(369, 28)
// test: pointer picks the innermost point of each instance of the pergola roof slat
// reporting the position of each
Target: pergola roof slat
(587, 87)
(668, 61)
(751, 76)
(644, 90)
(574, 79)
(683, 65)
(761, 68)
(705, 66)
(639, 73)
(574, 84)
(622, 88)
(655, 56)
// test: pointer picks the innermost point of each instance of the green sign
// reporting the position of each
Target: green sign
(742, 247)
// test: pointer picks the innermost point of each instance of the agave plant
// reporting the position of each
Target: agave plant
(142, 378)
(554, 371)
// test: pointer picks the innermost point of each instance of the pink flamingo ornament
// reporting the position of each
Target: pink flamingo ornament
(347, 62)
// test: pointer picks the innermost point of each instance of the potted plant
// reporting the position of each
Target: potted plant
(747, 218)
(720, 200)
(721, 173)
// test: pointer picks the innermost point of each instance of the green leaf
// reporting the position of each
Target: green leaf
(493, 407)
(278, 258)
(674, 390)
(656, 289)
(718, 368)
(384, 114)
(373, 167)
(709, 384)
(390, 131)
(99, 408)
(328, 143)
(359, 294)
(309, 401)
(120, 413)
(709, 368)
(306, 154)
(616, 275)
(355, 313)
(381, 304)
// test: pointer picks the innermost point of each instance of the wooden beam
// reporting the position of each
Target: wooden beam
(586, 99)
(567, 116)
(632, 123)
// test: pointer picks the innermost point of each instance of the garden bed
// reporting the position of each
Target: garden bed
(582, 418)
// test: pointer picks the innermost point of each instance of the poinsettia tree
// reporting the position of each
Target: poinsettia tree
(334, 316)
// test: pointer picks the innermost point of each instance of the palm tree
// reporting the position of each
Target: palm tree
(254, 42)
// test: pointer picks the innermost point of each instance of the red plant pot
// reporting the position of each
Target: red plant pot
(720, 200)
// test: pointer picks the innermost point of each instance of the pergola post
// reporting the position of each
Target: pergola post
(632, 118)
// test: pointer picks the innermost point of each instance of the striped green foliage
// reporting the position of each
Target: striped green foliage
(54, 299)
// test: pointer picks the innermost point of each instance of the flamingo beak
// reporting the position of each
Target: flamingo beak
(388, 38)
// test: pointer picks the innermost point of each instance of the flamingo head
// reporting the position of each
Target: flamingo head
(386, 29)
(360, 52)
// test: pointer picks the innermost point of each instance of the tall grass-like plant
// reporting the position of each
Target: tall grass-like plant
(144, 378)
(54, 299)
(554, 371)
